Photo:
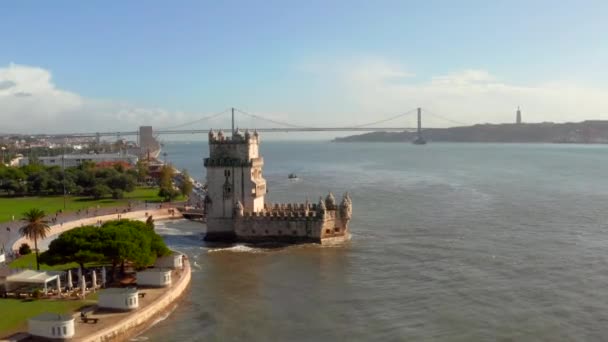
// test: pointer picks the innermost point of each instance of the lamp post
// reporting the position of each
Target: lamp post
(63, 173)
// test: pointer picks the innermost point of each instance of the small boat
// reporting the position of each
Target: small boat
(292, 176)
(419, 141)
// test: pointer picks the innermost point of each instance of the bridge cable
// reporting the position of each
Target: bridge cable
(384, 120)
(209, 117)
(428, 112)
(269, 120)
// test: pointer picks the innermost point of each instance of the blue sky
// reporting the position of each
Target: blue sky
(302, 60)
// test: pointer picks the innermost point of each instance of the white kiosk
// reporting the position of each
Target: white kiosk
(173, 260)
(51, 326)
(123, 299)
(154, 277)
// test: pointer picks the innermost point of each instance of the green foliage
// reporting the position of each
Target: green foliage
(186, 184)
(86, 179)
(80, 245)
(25, 249)
(142, 171)
(99, 191)
(117, 194)
(167, 191)
(115, 242)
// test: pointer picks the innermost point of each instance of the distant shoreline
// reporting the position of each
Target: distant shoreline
(586, 132)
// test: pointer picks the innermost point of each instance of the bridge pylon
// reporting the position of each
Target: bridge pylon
(419, 138)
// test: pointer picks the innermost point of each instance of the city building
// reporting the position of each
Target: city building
(51, 326)
(235, 206)
(149, 147)
(71, 160)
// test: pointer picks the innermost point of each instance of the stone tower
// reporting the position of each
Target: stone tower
(234, 180)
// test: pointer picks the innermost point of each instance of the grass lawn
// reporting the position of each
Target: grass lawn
(15, 312)
(10, 206)
(30, 260)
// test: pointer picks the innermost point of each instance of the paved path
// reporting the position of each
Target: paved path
(9, 231)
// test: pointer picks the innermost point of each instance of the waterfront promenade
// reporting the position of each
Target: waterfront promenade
(9, 231)
(156, 301)
(157, 213)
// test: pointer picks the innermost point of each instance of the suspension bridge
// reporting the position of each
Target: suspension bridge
(279, 126)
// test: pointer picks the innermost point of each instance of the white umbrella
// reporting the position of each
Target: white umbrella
(94, 280)
(82, 288)
(79, 277)
(103, 276)
(70, 284)
(59, 284)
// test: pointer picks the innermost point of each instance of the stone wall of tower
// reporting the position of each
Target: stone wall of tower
(234, 174)
(295, 223)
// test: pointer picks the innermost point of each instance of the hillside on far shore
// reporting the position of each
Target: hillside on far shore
(586, 132)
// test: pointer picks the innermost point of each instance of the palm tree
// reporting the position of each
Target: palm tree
(36, 228)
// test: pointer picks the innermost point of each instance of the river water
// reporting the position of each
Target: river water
(451, 242)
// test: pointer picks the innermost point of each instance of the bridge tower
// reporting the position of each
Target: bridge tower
(419, 138)
(518, 116)
(234, 181)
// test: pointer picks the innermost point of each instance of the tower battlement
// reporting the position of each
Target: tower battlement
(235, 204)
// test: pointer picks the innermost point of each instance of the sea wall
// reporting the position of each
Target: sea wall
(157, 214)
(140, 319)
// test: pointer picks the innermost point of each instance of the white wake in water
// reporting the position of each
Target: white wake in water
(236, 249)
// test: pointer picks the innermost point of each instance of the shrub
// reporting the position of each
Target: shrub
(117, 194)
(25, 249)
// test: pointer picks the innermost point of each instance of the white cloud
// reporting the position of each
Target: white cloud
(469, 96)
(31, 103)
(349, 93)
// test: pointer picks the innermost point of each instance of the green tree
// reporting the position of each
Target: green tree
(167, 191)
(115, 242)
(80, 245)
(25, 249)
(36, 228)
(99, 191)
(186, 185)
(142, 171)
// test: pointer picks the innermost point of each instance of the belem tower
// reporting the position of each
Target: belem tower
(235, 206)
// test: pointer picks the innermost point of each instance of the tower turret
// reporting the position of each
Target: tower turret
(330, 201)
(321, 207)
(346, 208)
(238, 209)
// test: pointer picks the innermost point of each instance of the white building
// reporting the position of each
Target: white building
(71, 160)
(51, 326)
(155, 277)
(173, 261)
(2, 258)
(119, 299)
